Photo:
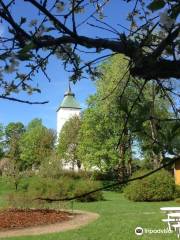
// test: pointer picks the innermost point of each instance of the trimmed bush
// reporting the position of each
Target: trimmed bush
(159, 186)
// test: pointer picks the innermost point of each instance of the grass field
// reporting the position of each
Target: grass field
(118, 219)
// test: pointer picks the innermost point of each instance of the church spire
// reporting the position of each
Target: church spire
(69, 87)
(69, 107)
(69, 92)
(69, 100)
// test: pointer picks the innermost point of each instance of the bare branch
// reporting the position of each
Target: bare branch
(22, 101)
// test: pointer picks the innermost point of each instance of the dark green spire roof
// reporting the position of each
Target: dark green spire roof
(69, 100)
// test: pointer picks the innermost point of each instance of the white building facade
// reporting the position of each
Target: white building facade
(67, 109)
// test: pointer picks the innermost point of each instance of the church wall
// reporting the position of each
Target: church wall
(65, 114)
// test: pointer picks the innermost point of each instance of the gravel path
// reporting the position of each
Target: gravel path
(80, 218)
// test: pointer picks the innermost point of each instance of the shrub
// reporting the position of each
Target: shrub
(83, 187)
(76, 175)
(47, 187)
(108, 178)
(51, 167)
(177, 191)
(159, 186)
(19, 200)
(105, 176)
(26, 200)
(63, 187)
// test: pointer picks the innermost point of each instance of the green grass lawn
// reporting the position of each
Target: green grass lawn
(118, 219)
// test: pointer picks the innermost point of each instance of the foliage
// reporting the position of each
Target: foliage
(85, 187)
(117, 120)
(20, 200)
(25, 148)
(103, 121)
(14, 130)
(13, 135)
(171, 137)
(104, 176)
(77, 175)
(165, 141)
(68, 142)
(36, 144)
(34, 187)
(177, 191)
(150, 122)
(159, 186)
(48, 187)
(51, 167)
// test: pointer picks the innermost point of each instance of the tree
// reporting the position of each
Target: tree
(36, 144)
(68, 142)
(151, 43)
(13, 135)
(116, 119)
(97, 143)
(13, 131)
(103, 122)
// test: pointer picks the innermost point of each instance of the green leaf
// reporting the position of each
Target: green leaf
(24, 53)
(27, 48)
(24, 56)
(156, 5)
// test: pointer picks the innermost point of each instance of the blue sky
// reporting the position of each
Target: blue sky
(54, 91)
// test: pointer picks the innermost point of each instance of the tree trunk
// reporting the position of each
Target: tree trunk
(121, 169)
(78, 164)
(130, 141)
(153, 126)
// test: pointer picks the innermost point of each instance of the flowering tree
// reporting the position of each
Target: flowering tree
(151, 43)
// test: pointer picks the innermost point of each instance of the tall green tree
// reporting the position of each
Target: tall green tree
(13, 135)
(68, 142)
(148, 120)
(98, 140)
(36, 144)
(122, 112)
(103, 122)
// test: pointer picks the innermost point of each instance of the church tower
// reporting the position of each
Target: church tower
(68, 108)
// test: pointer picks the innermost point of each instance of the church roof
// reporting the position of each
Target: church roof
(69, 101)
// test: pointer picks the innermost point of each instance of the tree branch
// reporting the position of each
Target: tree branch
(22, 101)
(56, 22)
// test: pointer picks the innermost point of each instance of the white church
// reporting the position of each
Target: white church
(68, 108)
